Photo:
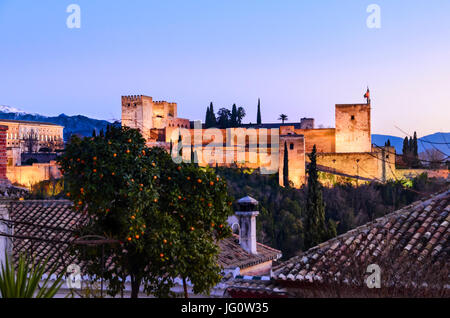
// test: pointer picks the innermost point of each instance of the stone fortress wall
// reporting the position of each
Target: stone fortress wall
(345, 150)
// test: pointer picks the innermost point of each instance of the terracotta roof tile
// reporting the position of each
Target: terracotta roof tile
(232, 255)
(421, 230)
(46, 229)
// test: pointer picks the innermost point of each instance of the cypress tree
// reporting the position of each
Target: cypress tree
(415, 147)
(316, 230)
(234, 116)
(410, 145)
(286, 166)
(208, 118)
(213, 120)
(180, 145)
(405, 151)
(258, 116)
(387, 143)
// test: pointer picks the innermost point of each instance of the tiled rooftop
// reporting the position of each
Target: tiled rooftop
(45, 229)
(417, 234)
(232, 255)
(255, 287)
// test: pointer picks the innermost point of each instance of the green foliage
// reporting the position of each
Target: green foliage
(166, 217)
(283, 118)
(283, 210)
(225, 117)
(258, 115)
(316, 228)
(410, 150)
(53, 188)
(280, 223)
(210, 119)
(24, 280)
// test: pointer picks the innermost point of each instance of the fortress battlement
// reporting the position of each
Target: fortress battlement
(134, 98)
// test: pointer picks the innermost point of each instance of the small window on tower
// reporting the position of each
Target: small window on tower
(292, 147)
(353, 117)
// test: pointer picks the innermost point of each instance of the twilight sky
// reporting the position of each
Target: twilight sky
(300, 57)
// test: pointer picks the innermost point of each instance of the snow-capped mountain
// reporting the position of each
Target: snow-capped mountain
(9, 109)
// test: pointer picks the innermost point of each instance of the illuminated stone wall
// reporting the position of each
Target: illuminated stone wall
(30, 175)
(378, 165)
(353, 133)
(141, 112)
(296, 159)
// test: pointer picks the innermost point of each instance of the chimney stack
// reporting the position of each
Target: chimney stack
(247, 213)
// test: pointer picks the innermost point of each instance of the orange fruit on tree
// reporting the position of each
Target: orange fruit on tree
(161, 255)
(137, 237)
(211, 183)
(199, 180)
(129, 239)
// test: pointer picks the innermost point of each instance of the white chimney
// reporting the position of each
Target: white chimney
(247, 223)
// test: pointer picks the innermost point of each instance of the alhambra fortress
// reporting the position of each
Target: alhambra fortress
(345, 151)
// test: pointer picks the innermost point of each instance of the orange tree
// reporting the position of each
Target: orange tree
(165, 217)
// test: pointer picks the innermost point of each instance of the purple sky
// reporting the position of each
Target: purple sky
(299, 57)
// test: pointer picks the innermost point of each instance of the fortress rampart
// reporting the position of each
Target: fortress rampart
(345, 150)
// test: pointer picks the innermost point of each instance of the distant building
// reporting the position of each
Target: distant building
(345, 151)
(31, 137)
(22, 140)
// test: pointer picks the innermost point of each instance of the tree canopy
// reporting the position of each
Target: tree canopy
(165, 217)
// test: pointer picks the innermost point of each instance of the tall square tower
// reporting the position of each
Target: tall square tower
(137, 113)
(353, 132)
